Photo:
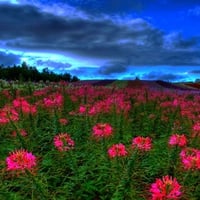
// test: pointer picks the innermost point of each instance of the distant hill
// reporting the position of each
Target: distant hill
(157, 84)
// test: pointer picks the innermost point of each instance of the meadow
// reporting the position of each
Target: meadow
(113, 142)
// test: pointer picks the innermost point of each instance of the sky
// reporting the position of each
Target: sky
(104, 39)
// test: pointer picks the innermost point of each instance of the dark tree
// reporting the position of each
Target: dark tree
(29, 73)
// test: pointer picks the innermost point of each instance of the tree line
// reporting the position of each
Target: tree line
(25, 73)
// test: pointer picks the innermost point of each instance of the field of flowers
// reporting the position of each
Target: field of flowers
(64, 142)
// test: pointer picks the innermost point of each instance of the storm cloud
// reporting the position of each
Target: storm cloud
(155, 75)
(112, 68)
(135, 41)
(53, 65)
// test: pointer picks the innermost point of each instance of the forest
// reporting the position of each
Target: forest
(24, 73)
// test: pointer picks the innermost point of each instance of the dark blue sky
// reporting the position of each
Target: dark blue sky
(104, 39)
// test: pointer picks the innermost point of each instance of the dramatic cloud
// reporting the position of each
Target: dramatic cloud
(155, 75)
(109, 38)
(175, 40)
(9, 59)
(134, 41)
(112, 68)
(55, 66)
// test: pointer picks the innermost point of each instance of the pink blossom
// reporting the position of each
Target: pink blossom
(117, 150)
(8, 114)
(20, 160)
(179, 140)
(63, 142)
(6, 93)
(93, 110)
(29, 109)
(175, 102)
(196, 127)
(39, 92)
(166, 188)
(53, 101)
(141, 143)
(190, 158)
(63, 121)
(24, 106)
(22, 133)
(101, 130)
(82, 109)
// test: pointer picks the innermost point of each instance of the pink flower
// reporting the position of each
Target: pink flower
(22, 133)
(82, 109)
(196, 127)
(53, 101)
(175, 102)
(93, 110)
(63, 142)
(63, 121)
(166, 188)
(179, 140)
(20, 160)
(25, 107)
(102, 130)
(117, 150)
(29, 109)
(196, 130)
(190, 158)
(6, 93)
(7, 114)
(141, 143)
(39, 92)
